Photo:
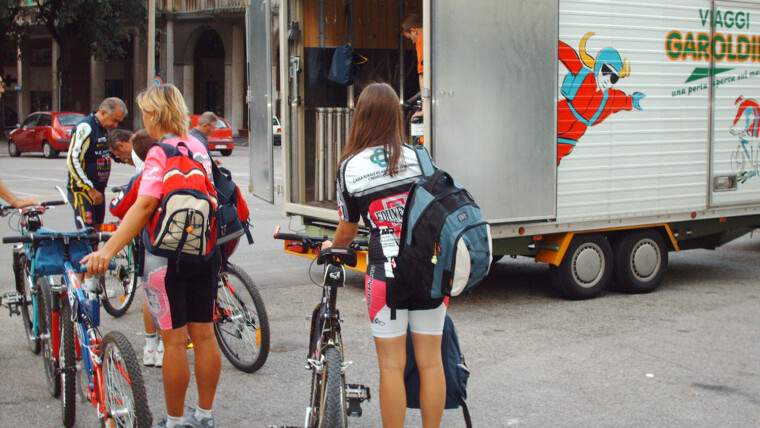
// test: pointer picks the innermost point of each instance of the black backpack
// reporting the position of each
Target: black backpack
(454, 369)
(230, 208)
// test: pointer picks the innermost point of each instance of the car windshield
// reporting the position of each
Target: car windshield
(220, 124)
(69, 119)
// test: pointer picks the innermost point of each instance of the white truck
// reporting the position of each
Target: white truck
(597, 135)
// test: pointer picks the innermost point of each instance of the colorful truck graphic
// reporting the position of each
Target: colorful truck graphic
(746, 125)
(589, 92)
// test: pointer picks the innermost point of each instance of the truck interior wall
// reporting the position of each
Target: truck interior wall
(375, 36)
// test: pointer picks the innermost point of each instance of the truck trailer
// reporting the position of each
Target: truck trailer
(597, 136)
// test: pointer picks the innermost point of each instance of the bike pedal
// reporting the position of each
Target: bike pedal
(13, 301)
(356, 394)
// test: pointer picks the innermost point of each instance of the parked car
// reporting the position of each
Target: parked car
(221, 139)
(43, 131)
(276, 131)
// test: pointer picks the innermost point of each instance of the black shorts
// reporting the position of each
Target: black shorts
(86, 213)
(180, 293)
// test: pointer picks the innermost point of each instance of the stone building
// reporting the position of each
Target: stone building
(200, 47)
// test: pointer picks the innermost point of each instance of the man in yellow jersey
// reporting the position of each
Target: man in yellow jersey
(89, 162)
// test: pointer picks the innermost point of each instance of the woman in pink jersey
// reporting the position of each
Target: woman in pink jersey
(376, 173)
(180, 294)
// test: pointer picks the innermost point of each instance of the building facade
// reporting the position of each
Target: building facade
(199, 47)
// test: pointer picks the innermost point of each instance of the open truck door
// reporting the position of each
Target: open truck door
(259, 49)
(503, 151)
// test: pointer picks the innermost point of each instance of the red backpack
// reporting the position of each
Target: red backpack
(184, 225)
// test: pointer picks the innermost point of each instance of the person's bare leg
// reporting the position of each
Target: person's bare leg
(150, 327)
(427, 353)
(175, 370)
(391, 357)
(208, 362)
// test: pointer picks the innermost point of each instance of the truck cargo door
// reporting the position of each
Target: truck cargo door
(259, 57)
(493, 71)
(735, 83)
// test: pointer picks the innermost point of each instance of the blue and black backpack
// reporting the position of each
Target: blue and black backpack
(445, 245)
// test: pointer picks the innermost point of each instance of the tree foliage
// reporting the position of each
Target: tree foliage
(102, 26)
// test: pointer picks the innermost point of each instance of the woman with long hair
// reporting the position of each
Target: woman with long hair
(180, 293)
(376, 174)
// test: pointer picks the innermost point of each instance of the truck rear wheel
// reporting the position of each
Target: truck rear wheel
(641, 259)
(586, 270)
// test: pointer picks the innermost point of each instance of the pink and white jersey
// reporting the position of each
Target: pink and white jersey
(366, 191)
(155, 164)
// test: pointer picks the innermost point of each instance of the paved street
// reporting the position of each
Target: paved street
(687, 355)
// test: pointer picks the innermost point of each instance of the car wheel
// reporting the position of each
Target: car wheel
(13, 149)
(48, 151)
(225, 152)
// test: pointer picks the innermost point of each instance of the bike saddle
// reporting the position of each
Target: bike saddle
(343, 256)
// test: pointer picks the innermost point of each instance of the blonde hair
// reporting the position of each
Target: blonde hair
(166, 104)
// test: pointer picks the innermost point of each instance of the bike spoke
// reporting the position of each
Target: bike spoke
(119, 400)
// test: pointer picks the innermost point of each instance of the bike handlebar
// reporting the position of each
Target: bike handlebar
(42, 205)
(316, 241)
(34, 238)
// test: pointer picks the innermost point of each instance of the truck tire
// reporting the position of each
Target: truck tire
(641, 259)
(586, 270)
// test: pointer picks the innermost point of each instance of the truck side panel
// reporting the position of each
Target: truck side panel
(633, 143)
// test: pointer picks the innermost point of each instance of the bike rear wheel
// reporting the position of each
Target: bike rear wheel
(126, 401)
(333, 404)
(241, 325)
(120, 283)
(50, 363)
(23, 287)
(67, 361)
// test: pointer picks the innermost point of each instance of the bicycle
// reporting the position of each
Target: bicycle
(24, 300)
(331, 401)
(241, 325)
(114, 384)
(745, 159)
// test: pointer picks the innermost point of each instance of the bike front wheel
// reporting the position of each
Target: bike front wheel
(333, 404)
(23, 282)
(126, 401)
(46, 328)
(241, 325)
(120, 283)
(67, 361)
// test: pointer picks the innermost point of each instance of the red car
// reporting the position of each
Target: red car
(221, 139)
(43, 131)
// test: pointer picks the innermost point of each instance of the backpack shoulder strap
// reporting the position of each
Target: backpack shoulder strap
(426, 163)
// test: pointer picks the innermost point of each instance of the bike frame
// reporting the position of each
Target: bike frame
(88, 338)
(326, 314)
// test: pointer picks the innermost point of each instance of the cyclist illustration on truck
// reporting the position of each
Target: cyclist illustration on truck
(588, 91)
(746, 125)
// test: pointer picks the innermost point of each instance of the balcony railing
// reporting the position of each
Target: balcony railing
(202, 6)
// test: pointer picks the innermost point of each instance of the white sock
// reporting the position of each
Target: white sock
(151, 340)
(202, 413)
(174, 422)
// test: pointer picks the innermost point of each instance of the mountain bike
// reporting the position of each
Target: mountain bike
(110, 376)
(241, 325)
(331, 400)
(23, 301)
